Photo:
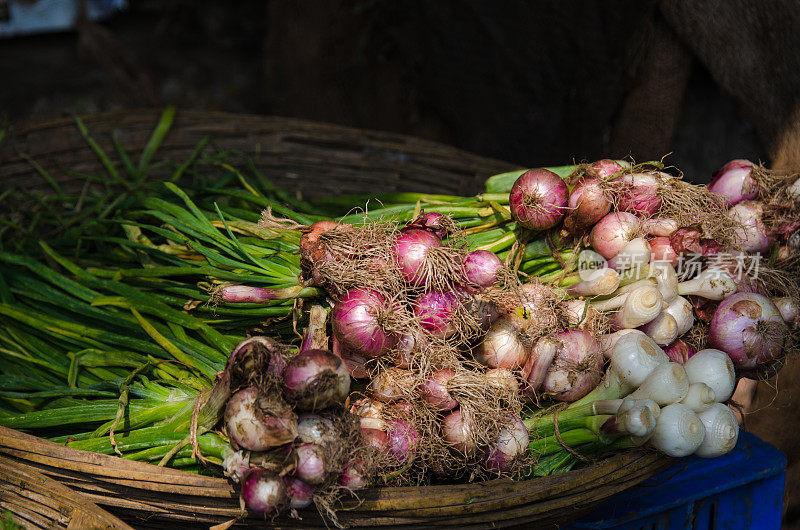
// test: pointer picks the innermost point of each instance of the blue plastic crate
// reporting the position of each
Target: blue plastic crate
(743, 489)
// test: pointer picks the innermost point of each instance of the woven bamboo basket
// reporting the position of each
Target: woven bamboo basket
(315, 160)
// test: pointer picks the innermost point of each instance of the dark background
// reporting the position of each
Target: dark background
(531, 83)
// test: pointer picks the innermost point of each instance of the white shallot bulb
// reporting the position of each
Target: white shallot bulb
(663, 329)
(660, 227)
(503, 379)
(681, 310)
(666, 279)
(700, 397)
(633, 358)
(641, 306)
(638, 420)
(714, 284)
(721, 431)
(666, 384)
(608, 341)
(632, 256)
(714, 368)
(598, 282)
(679, 432)
(393, 384)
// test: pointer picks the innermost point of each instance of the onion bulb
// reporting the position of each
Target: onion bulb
(577, 367)
(721, 431)
(434, 390)
(316, 379)
(512, 442)
(256, 422)
(667, 383)
(356, 320)
(503, 346)
(538, 199)
(679, 432)
(735, 182)
(610, 235)
(749, 328)
(715, 369)
(263, 491)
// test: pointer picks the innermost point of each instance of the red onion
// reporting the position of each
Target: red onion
(749, 328)
(482, 268)
(605, 167)
(577, 367)
(353, 476)
(538, 199)
(256, 423)
(300, 493)
(661, 250)
(392, 384)
(459, 432)
(687, 239)
(249, 354)
(433, 222)
(376, 438)
(512, 442)
(355, 363)
(735, 182)
(235, 464)
(435, 310)
(639, 194)
(434, 390)
(263, 491)
(679, 351)
(411, 253)
(316, 379)
(751, 233)
(403, 352)
(613, 232)
(503, 346)
(587, 205)
(403, 439)
(311, 466)
(356, 323)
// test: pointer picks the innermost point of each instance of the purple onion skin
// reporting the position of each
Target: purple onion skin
(263, 491)
(606, 167)
(512, 442)
(640, 195)
(403, 439)
(749, 328)
(577, 367)
(587, 204)
(301, 494)
(434, 390)
(679, 351)
(410, 253)
(254, 429)
(246, 294)
(311, 466)
(316, 379)
(734, 181)
(353, 476)
(356, 326)
(482, 268)
(434, 309)
(433, 222)
(538, 199)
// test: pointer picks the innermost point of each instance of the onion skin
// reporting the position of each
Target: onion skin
(410, 254)
(538, 199)
(355, 320)
(610, 235)
(403, 439)
(503, 346)
(300, 493)
(749, 328)
(256, 423)
(587, 204)
(639, 194)
(435, 310)
(434, 391)
(512, 442)
(661, 250)
(353, 476)
(679, 351)
(751, 233)
(577, 367)
(606, 167)
(311, 466)
(392, 384)
(482, 268)
(355, 363)
(458, 432)
(263, 491)
(433, 222)
(734, 181)
(316, 379)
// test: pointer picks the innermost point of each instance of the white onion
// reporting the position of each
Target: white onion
(666, 384)
(713, 283)
(666, 279)
(632, 256)
(683, 313)
(721, 431)
(598, 282)
(663, 329)
(503, 346)
(679, 432)
(714, 368)
(634, 357)
(700, 397)
(641, 306)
